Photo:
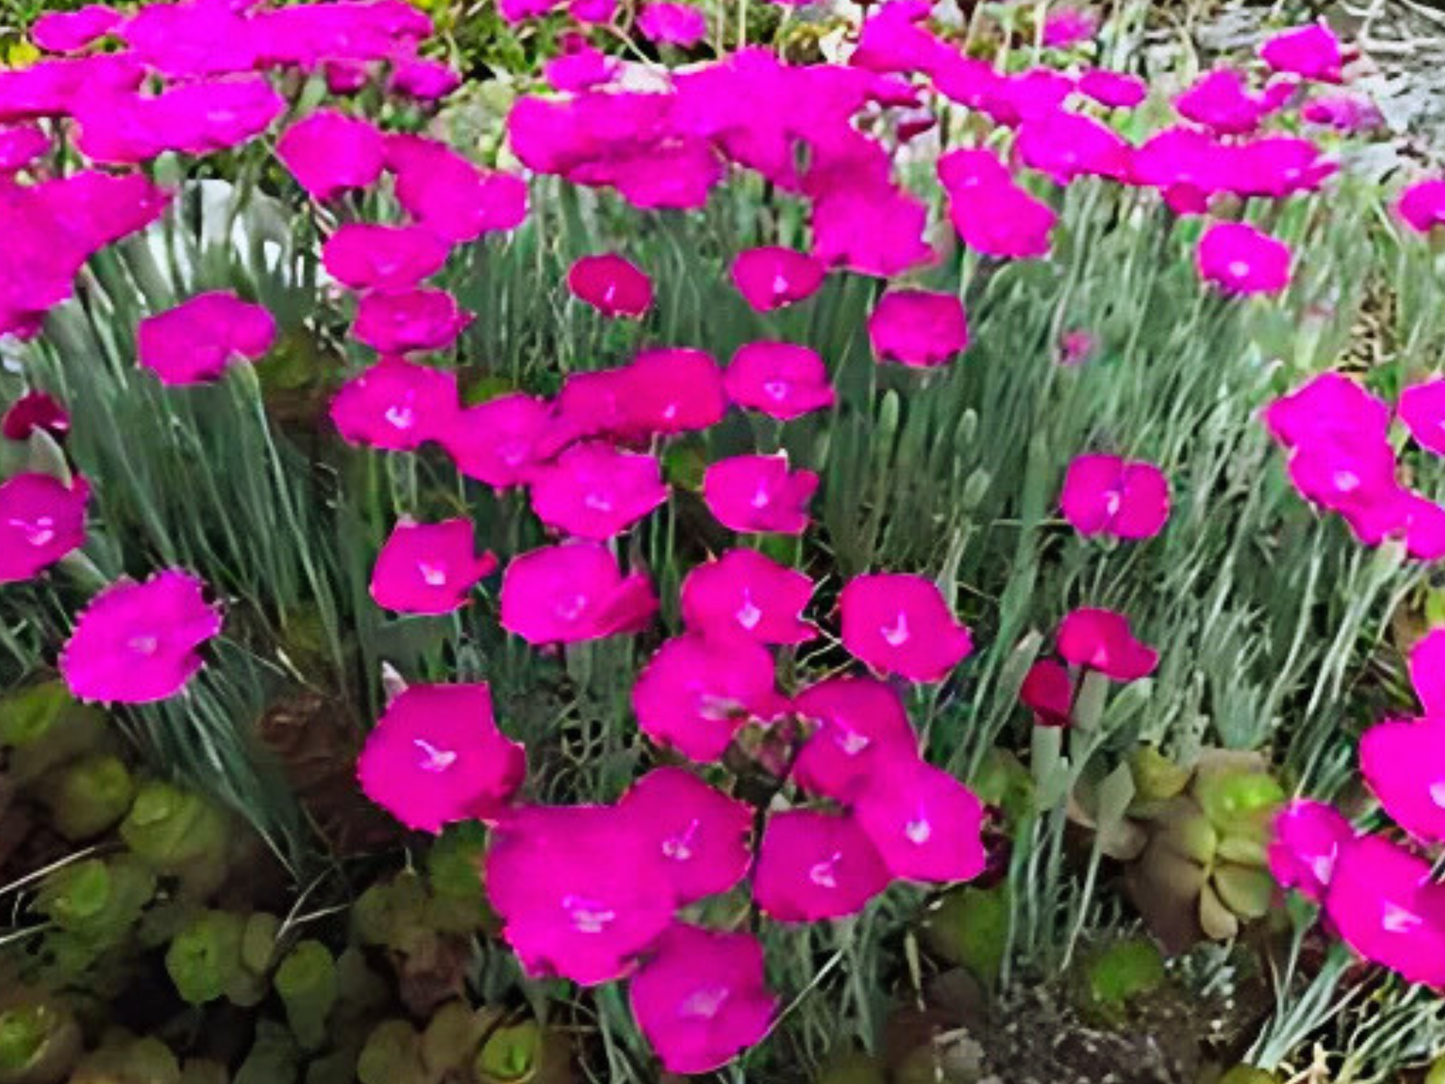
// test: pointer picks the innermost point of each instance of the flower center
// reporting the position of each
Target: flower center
(896, 634)
(1113, 501)
(1398, 920)
(587, 916)
(597, 502)
(825, 874)
(1323, 867)
(434, 760)
(748, 614)
(1346, 481)
(705, 1003)
(780, 285)
(1239, 269)
(570, 608)
(776, 390)
(761, 497)
(918, 831)
(37, 532)
(1437, 793)
(433, 575)
(400, 417)
(851, 742)
(679, 848)
(143, 645)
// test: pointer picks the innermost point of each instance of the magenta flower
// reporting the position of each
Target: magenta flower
(758, 493)
(496, 441)
(1067, 145)
(41, 520)
(1422, 409)
(901, 624)
(371, 257)
(195, 341)
(858, 720)
(697, 692)
(1117, 90)
(1068, 26)
(781, 380)
(1350, 472)
(993, 215)
(1427, 671)
(436, 757)
(1348, 113)
(1305, 846)
(346, 76)
(592, 11)
(1103, 641)
(1105, 494)
(1240, 260)
(20, 145)
(924, 823)
(1384, 905)
(329, 152)
(72, 31)
(35, 410)
(197, 118)
(136, 642)
(1404, 763)
(702, 998)
(814, 866)
(423, 79)
(872, 228)
(573, 592)
(428, 568)
(399, 321)
(1422, 204)
(579, 890)
(1329, 404)
(580, 65)
(673, 24)
(1048, 692)
(746, 593)
(595, 491)
(917, 327)
(1275, 166)
(448, 194)
(612, 285)
(772, 277)
(669, 390)
(1219, 100)
(701, 837)
(1312, 52)
(396, 404)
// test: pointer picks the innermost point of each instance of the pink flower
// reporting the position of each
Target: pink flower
(329, 152)
(1219, 100)
(346, 76)
(595, 491)
(1069, 26)
(20, 145)
(1275, 166)
(661, 391)
(1427, 671)
(395, 322)
(1422, 204)
(781, 380)
(35, 410)
(1103, 641)
(1076, 347)
(195, 341)
(1350, 472)
(872, 228)
(592, 11)
(700, 837)
(428, 568)
(697, 692)
(1384, 905)
(702, 998)
(1114, 89)
(1312, 52)
(859, 720)
(436, 757)
(917, 327)
(901, 624)
(573, 592)
(580, 65)
(1048, 692)
(72, 31)
(674, 24)
(448, 194)
(758, 493)
(1329, 404)
(1306, 844)
(1105, 494)
(423, 79)
(1068, 145)
(1348, 113)
(197, 118)
(1187, 164)
(925, 824)
(814, 866)
(610, 284)
(496, 441)
(367, 257)
(993, 215)
(516, 11)
(396, 404)
(1404, 763)
(41, 520)
(1422, 409)
(579, 890)
(136, 642)
(772, 277)
(745, 593)
(1240, 260)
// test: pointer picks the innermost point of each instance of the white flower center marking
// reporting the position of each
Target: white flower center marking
(1346, 481)
(850, 741)
(37, 532)
(1398, 920)
(143, 645)
(780, 285)
(761, 497)
(597, 502)
(705, 1003)
(918, 831)
(1239, 269)
(571, 607)
(432, 575)
(587, 916)
(433, 759)
(825, 874)
(1113, 501)
(748, 614)
(1323, 867)
(679, 848)
(777, 390)
(1437, 793)
(896, 634)
(400, 417)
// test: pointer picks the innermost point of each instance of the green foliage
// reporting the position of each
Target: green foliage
(307, 984)
(204, 959)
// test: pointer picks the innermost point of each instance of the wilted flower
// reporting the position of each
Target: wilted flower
(1422, 204)
(436, 757)
(781, 380)
(399, 321)
(772, 277)
(1384, 905)
(858, 720)
(701, 837)
(1427, 671)
(901, 624)
(573, 592)
(675, 24)
(925, 824)
(1422, 409)
(35, 410)
(365, 256)
(136, 642)
(744, 592)
(1404, 763)
(1048, 692)
(758, 493)
(41, 520)
(1103, 641)
(595, 491)
(814, 866)
(1067, 26)
(428, 568)
(1067, 145)
(701, 998)
(396, 404)
(1312, 52)
(917, 327)
(1118, 90)
(495, 442)
(72, 31)
(1348, 113)
(1307, 839)
(1106, 494)
(1218, 100)
(579, 890)
(329, 152)
(612, 285)
(195, 341)
(1241, 260)
(1076, 347)
(698, 691)
(449, 195)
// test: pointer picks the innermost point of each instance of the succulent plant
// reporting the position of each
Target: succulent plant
(97, 901)
(307, 984)
(969, 926)
(179, 834)
(1116, 975)
(204, 960)
(43, 727)
(89, 796)
(39, 1042)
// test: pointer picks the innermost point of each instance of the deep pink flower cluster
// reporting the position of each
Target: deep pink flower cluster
(1086, 639)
